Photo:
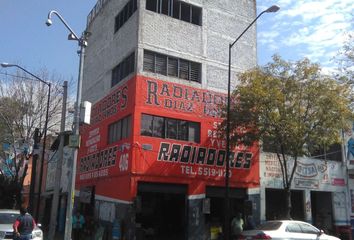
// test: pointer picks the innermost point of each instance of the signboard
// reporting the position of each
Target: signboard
(157, 157)
(313, 174)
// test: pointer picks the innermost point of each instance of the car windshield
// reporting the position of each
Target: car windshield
(8, 218)
(269, 226)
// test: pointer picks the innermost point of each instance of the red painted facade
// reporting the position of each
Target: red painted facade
(115, 169)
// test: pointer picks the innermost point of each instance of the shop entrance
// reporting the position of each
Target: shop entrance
(321, 207)
(276, 204)
(161, 211)
(215, 218)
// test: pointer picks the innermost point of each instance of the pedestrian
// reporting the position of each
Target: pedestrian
(24, 225)
(250, 225)
(78, 224)
(237, 226)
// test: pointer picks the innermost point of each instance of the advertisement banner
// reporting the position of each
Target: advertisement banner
(313, 174)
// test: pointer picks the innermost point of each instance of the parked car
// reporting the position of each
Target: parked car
(286, 229)
(7, 218)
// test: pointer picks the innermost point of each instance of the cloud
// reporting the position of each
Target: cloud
(312, 28)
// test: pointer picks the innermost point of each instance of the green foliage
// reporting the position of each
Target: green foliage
(292, 108)
(289, 106)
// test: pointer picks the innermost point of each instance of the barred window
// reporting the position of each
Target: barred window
(119, 130)
(123, 69)
(171, 66)
(176, 9)
(123, 16)
(162, 127)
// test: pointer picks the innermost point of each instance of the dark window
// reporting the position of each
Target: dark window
(151, 5)
(182, 130)
(171, 66)
(194, 131)
(152, 126)
(161, 127)
(172, 128)
(8, 218)
(161, 64)
(184, 69)
(119, 130)
(176, 9)
(194, 72)
(123, 16)
(146, 125)
(185, 12)
(269, 226)
(164, 6)
(123, 69)
(149, 61)
(196, 15)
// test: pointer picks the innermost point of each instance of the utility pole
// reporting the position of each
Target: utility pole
(36, 139)
(54, 210)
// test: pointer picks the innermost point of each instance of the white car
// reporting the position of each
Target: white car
(7, 219)
(286, 229)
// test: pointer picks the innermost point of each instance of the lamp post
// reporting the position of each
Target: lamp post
(71, 190)
(273, 8)
(5, 65)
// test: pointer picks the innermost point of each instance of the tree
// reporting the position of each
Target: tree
(346, 59)
(22, 109)
(292, 109)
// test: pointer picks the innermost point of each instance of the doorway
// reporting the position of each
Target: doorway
(161, 211)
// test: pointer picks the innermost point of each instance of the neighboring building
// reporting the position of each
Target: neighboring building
(152, 158)
(318, 192)
(349, 156)
(50, 184)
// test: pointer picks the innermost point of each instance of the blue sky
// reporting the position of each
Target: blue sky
(301, 28)
(27, 41)
(315, 29)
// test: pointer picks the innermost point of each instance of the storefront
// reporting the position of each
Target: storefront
(349, 156)
(157, 161)
(319, 191)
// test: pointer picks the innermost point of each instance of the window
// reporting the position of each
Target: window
(164, 6)
(151, 5)
(184, 69)
(171, 66)
(155, 126)
(119, 130)
(161, 64)
(123, 16)
(176, 9)
(196, 15)
(123, 69)
(185, 12)
(152, 126)
(293, 228)
(307, 228)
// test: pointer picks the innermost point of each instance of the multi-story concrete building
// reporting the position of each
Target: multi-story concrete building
(152, 158)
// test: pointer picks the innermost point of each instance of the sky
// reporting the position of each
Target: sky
(315, 29)
(26, 40)
(301, 28)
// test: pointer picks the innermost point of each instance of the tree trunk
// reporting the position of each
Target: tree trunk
(288, 203)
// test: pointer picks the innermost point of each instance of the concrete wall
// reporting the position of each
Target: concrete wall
(222, 22)
(106, 49)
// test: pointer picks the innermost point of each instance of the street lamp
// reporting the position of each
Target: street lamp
(82, 44)
(273, 8)
(34, 164)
